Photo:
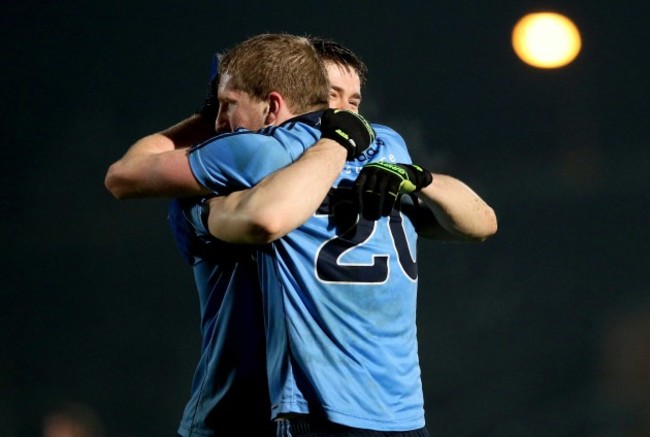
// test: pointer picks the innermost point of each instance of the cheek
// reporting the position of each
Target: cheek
(247, 117)
(233, 119)
(258, 119)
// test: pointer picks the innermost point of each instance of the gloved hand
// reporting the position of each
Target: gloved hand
(380, 184)
(210, 107)
(349, 129)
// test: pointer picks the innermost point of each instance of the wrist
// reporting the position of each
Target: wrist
(328, 153)
(332, 147)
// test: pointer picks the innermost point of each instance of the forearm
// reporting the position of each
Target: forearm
(146, 169)
(181, 135)
(280, 202)
(461, 213)
(193, 130)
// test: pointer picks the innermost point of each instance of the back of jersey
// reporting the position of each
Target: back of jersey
(341, 307)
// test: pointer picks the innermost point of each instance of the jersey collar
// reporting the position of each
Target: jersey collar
(310, 118)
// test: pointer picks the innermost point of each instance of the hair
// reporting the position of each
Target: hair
(331, 51)
(287, 64)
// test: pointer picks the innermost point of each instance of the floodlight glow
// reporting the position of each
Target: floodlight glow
(546, 40)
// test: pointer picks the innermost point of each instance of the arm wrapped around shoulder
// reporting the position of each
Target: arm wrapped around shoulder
(349, 129)
(380, 184)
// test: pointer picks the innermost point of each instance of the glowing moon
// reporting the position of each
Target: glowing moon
(546, 40)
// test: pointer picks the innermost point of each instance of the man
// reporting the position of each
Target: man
(231, 373)
(340, 290)
(228, 379)
(343, 355)
(307, 388)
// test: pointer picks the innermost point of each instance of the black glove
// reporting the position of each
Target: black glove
(380, 184)
(210, 107)
(349, 129)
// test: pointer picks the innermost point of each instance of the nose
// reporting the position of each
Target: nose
(337, 102)
(222, 124)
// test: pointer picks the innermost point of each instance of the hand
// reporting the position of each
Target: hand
(379, 185)
(210, 107)
(349, 129)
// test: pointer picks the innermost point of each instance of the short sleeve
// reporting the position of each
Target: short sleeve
(237, 161)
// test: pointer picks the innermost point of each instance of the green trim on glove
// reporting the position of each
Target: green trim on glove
(380, 184)
(413, 177)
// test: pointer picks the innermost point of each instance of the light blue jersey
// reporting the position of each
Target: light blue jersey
(231, 374)
(340, 292)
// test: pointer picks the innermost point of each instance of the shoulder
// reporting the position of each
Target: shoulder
(384, 131)
(389, 146)
(240, 136)
(293, 135)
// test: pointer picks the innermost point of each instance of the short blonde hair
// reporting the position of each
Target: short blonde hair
(284, 63)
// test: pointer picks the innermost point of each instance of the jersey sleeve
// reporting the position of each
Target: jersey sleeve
(237, 161)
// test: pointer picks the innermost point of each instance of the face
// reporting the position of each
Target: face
(345, 87)
(238, 110)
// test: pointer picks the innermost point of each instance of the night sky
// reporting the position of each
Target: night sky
(543, 330)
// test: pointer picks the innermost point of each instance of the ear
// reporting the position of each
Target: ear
(276, 106)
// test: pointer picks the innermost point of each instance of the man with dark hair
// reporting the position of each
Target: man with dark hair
(340, 287)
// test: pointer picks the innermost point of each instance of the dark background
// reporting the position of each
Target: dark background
(543, 330)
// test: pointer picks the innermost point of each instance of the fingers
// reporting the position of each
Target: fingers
(372, 205)
(376, 193)
(370, 200)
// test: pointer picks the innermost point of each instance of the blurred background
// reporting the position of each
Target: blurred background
(543, 330)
